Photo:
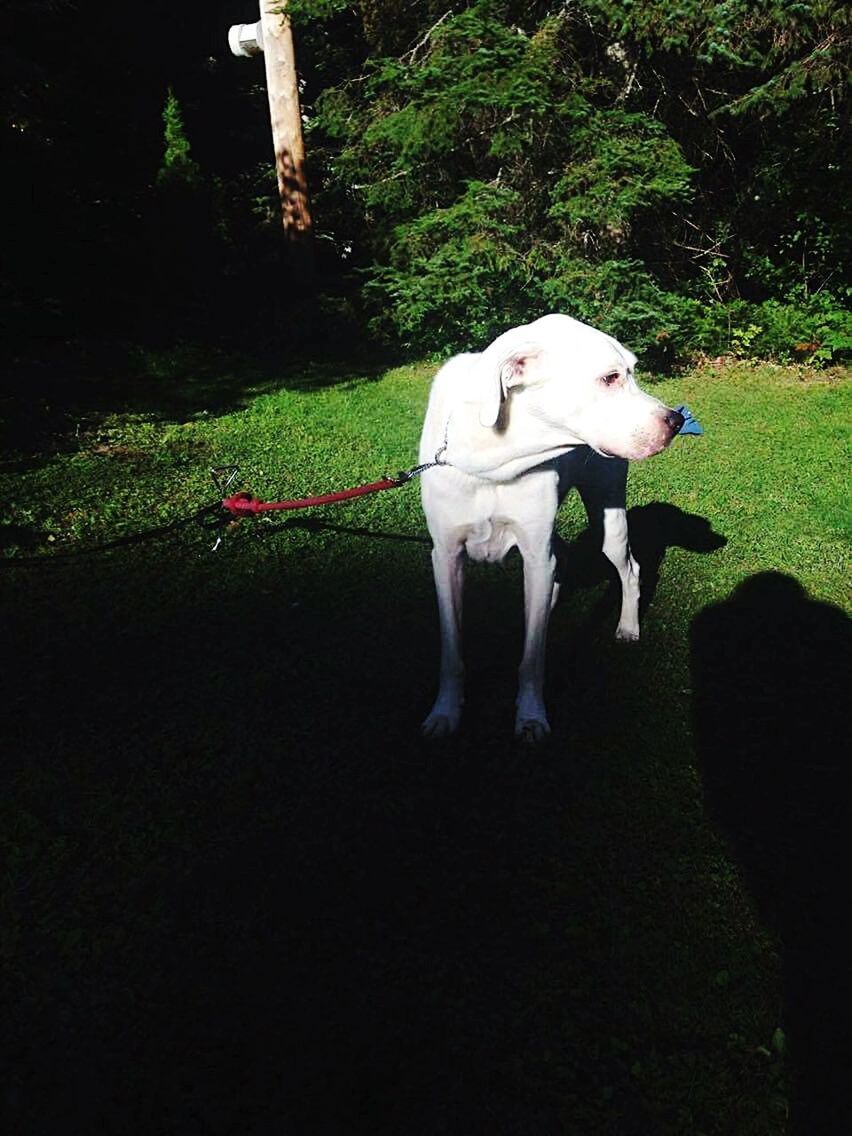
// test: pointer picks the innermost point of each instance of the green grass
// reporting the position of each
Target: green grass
(239, 884)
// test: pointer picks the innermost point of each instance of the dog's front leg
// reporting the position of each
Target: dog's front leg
(617, 551)
(603, 487)
(539, 582)
(448, 567)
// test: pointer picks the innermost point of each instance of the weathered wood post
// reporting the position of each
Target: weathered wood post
(273, 36)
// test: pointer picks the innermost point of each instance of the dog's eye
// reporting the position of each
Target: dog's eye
(610, 379)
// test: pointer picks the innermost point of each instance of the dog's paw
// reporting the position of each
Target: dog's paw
(531, 731)
(441, 722)
(627, 634)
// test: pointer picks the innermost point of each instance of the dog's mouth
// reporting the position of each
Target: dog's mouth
(642, 448)
(645, 443)
(603, 452)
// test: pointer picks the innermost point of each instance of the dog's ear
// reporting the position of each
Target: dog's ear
(502, 371)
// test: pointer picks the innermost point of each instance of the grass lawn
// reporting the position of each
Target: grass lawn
(241, 895)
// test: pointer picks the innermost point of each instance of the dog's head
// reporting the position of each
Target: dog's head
(571, 385)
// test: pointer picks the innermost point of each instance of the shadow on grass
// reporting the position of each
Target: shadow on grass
(243, 896)
(654, 529)
(771, 671)
(317, 525)
(24, 537)
(45, 402)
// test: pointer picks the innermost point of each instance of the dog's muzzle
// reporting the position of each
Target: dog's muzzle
(674, 420)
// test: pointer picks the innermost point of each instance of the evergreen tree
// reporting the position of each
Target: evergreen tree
(649, 169)
(177, 165)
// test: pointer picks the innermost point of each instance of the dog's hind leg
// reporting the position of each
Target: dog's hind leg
(448, 567)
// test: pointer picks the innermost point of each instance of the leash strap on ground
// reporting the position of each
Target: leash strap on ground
(245, 504)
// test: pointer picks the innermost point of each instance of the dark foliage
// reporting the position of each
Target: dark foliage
(472, 165)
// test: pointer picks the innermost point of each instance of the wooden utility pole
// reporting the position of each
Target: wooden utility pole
(282, 85)
(273, 35)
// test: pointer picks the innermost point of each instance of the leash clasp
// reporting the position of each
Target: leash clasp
(223, 477)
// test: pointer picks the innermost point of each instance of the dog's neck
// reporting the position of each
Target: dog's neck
(504, 451)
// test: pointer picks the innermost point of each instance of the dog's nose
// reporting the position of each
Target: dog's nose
(674, 420)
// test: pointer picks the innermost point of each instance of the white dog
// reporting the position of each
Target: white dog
(549, 405)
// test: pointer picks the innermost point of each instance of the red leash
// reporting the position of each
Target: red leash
(245, 504)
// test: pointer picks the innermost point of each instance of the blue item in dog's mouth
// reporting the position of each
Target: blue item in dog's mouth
(690, 425)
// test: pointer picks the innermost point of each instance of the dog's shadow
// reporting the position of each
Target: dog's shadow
(653, 529)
